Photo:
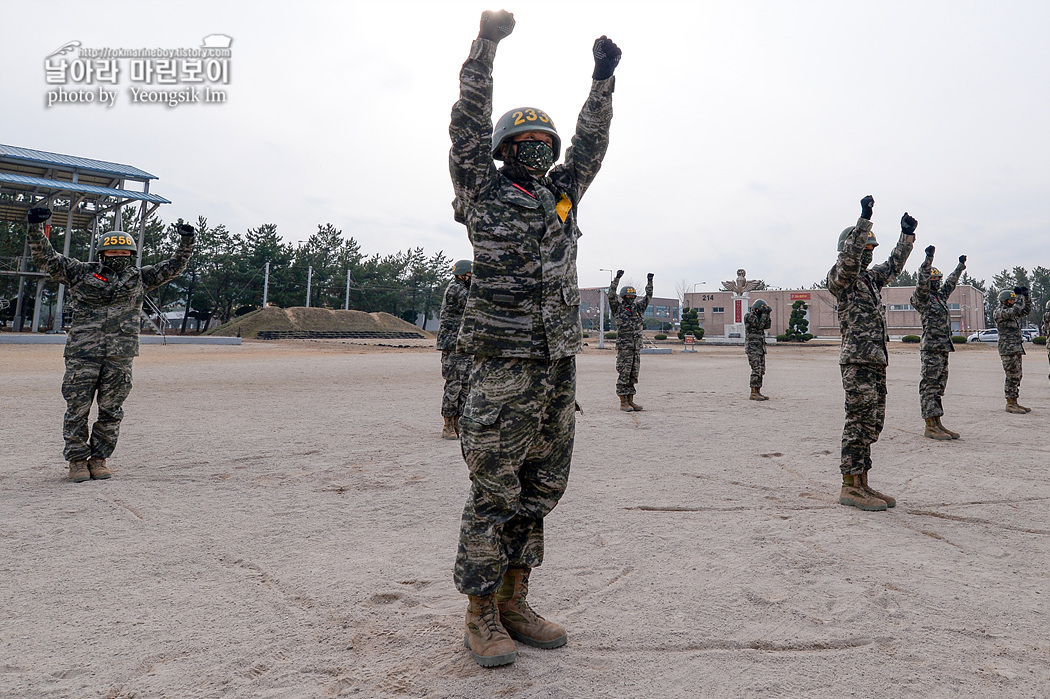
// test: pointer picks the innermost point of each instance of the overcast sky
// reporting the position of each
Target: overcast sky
(745, 132)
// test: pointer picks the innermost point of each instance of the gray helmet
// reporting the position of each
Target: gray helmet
(935, 273)
(628, 291)
(760, 305)
(462, 267)
(1007, 295)
(842, 238)
(523, 120)
(116, 240)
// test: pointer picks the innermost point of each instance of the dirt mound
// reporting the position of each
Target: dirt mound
(302, 319)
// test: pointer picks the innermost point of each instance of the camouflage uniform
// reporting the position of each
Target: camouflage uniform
(1009, 319)
(863, 358)
(755, 325)
(455, 367)
(522, 323)
(1046, 330)
(103, 339)
(936, 336)
(629, 323)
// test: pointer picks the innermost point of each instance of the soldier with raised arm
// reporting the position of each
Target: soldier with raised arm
(756, 323)
(1009, 317)
(106, 300)
(863, 358)
(629, 312)
(522, 324)
(930, 299)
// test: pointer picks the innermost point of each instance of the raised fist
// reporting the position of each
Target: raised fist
(866, 206)
(649, 277)
(619, 273)
(186, 229)
(496, 25)
(930, 250)
(39, 214)
(962, 259)
(908, 224)
(606, 56)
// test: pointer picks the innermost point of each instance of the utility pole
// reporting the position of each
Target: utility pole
(346, 306)
(266, 283)
(309, 280)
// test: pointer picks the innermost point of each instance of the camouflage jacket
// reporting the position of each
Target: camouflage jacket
(933, 308)
(524, 298)
(629, 317)
(451, 314)
(105, 306)
(1046, 327)
(862, 317)
(1009, 320)
(755, 325)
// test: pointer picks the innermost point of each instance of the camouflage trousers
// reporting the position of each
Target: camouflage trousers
(932, 384)
(628, 361)
(516, 433)
(865, 387)
(107, 379)
(455, 370)
(757, 360)
(1012, 367)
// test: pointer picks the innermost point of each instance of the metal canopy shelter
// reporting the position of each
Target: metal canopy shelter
(81, 188)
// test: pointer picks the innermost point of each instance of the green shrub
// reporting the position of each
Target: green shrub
(698, 333)
(1039, 340)
(681, 335)
(610, 336)
(659, 336)
(782, 338)
(959, 339)
(910, 338)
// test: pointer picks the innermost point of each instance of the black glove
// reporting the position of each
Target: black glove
(930, 250)
(649, 277)
(39, 214)
(908, 224)
(619, 273)
(962, 259)
(186, 229)
(606, 56)
(496, 25)
(866, 205)
(1023, 290)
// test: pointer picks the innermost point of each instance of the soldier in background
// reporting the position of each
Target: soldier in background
(455, 366)
(106, 299)
(863, 358)
(629, 312)
(522, 324)
(1046, 328)
(930, 299)
(1009, 317)
(756, 322)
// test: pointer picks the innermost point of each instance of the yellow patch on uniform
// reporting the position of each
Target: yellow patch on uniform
(563, 207)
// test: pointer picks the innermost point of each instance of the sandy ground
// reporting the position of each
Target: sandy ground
(284, 516)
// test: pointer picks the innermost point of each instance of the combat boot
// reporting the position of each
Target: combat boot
(455, 424)
(78, 471)
(756, 394)
(625, 404)
(520, 620)
(933, 431)
(485, 636)
(890, 502)
(97, 468)
(1013, 407)
(854, 495)
(449, 430)
(953, 435)
(634, 406)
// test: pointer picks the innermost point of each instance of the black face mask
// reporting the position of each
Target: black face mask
(536, 155)
(866, 258)
(935, 285)
(117, 263)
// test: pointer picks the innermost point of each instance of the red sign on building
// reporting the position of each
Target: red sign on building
(800, 297)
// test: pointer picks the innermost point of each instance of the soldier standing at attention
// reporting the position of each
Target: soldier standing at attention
(863, 359)
(756, 322)
(930, 299)
(629, 314)
(522, 324)
(106, 299)
(454, 366)
(1008, 319)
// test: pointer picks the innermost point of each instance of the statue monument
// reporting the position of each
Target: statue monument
(741, 288)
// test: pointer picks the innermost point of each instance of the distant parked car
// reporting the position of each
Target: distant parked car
(990, 335)
(1029, 333)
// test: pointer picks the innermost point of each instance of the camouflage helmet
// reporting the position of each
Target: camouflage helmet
(462, 267)
(846, 231)
(116, 240)
(1007, 295)
(523, 120)
(760, 305)
(628, 291)
(935, 273)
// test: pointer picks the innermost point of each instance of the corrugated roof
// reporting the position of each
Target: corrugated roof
(64, 186)
(73, 162)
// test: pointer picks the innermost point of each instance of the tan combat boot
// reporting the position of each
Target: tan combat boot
(625, 404)
(520, 620)
(756, 394)
(854, 495)
(97, 468)
(449, 430)
(933, 431)
(890, 502)
(485, 636)
(78, 471)
(634, 406)
(953, 435)
(1013, 407)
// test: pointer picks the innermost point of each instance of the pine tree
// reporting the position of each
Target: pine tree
(798, 326)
